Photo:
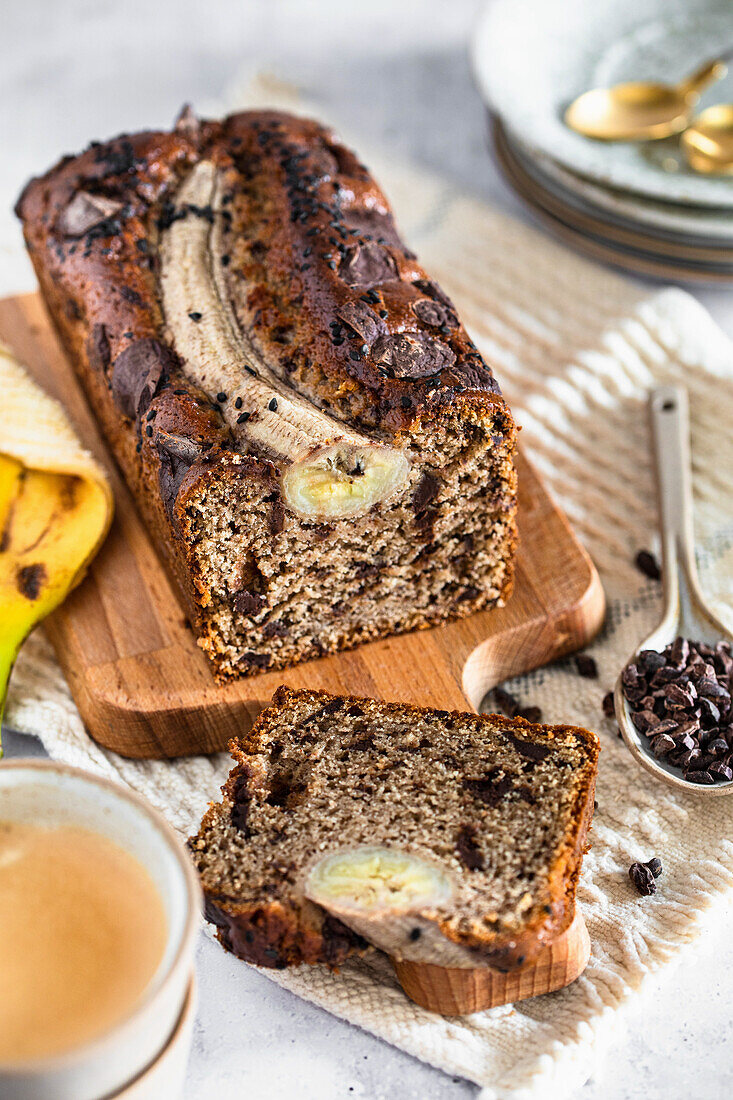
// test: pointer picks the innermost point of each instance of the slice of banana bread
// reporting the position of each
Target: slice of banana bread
(447, 838)
(319, 450)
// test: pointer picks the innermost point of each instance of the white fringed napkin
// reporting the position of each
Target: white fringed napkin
(576, 349)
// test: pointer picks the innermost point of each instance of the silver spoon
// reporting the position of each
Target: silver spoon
(685, 610)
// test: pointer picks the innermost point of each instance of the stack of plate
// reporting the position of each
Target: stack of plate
(635, 205)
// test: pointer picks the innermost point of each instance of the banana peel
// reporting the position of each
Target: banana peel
(56, 507)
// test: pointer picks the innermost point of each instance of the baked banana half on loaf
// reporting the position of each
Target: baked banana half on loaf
(320, 452)
(446, 838)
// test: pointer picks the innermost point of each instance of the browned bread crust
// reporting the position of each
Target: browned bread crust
(279, 927)
(323, 284)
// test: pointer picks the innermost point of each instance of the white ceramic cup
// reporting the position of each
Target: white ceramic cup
(45, 793)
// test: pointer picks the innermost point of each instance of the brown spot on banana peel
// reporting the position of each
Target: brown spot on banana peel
(329, 471)
(31, 579)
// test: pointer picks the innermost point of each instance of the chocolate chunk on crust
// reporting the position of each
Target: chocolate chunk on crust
(433, 313)
(136, 374)
(412, 355)
(359, 317)
(85, 212)
(368, 265)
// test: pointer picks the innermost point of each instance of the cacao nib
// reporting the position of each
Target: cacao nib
(506, 702)
(586, 666)
(647, 564)
(643, 879)
(530, 714)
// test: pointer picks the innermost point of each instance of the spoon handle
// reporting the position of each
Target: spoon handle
(706, 74)
(670, 420)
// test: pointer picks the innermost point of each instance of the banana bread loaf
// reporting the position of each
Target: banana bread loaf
(446, 838)
(318, 449)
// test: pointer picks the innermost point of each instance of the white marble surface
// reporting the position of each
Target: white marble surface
(395, 71)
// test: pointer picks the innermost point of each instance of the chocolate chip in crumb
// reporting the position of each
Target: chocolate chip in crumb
(608, 706)
(468, 850)
(655, 866)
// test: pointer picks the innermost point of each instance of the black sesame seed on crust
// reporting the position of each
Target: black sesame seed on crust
(272, 406)
(195, 315)
(243, 418)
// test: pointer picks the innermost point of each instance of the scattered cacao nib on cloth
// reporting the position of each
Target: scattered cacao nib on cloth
(644, 876)
(512, 708)
(647, 564)
(586, 666)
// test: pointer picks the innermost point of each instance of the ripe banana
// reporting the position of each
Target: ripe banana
(331, 471)
(393, 899)
(55, 509)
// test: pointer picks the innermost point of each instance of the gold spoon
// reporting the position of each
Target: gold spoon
(641, 110)
(708, 142)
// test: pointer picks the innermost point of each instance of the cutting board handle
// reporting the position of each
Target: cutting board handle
(455, 992)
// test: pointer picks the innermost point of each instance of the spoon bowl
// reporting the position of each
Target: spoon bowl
(686, 612)
(640, 110)
(708, 142)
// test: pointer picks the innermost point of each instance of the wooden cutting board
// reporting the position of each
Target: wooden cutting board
(144, 688)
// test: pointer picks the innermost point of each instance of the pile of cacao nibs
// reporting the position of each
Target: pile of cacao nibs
(681, 700)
